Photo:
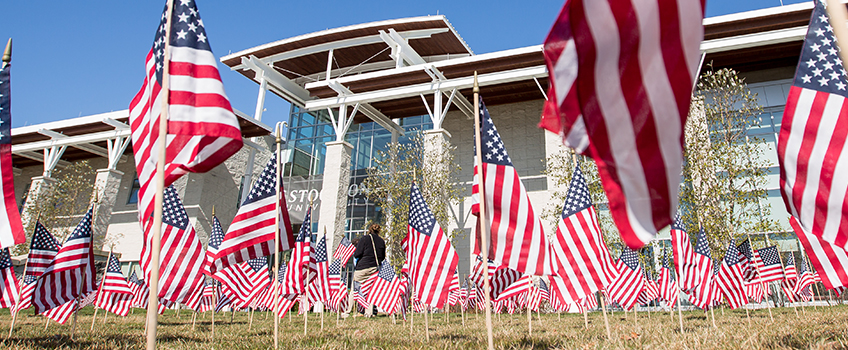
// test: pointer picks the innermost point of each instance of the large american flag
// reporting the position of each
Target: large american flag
(344, 251)
(812, 136)
(830, 261)
(251, 235)
(43, 249)
(632, 114)
(582, 256)
(9, 292)
(517, 237)
(688, 273)
(730, 278)
(11, 229)
(71, 274)
(202, 129)
(319, 275)
(433, 260)
(295, 278)
(626, 287)
(182, 257)
(770, 270)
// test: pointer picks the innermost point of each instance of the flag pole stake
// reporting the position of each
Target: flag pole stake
(585, 319)
(153, 302)
(305, 305)
(193, 321)
(427, 322)
(26, 264)
(484, 225)
(279, 139)
(712, 312)
(606, 319)
(679, 311)
(215, 301)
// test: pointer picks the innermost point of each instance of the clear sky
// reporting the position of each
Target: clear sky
(78, 58)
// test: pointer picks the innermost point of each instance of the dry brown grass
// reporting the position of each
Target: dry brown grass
(823, 328)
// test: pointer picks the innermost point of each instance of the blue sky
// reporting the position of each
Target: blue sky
(78, 58)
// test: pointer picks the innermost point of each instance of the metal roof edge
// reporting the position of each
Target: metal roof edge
(64, 123)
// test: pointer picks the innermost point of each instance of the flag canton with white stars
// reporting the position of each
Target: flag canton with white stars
(114, 265)
(732, 254)
(542, 285)
(5, 259)
(678, 223)
(664, 259)
(134, 278)
(387, 272)
(420, 216)
(345, 242)
(5, 105)
(43, 240)
(790, 259)
(493, 149)
(820, 67)
(83, 229)
(30, 279)
(217, 235)
(769, 256)
(319, 253)
(335, 268)
(578, 198)
(630, 258)
(802, 267)
(745, 249)
(264, 186)
(258, 263)
(357, 287)
(187, 30)
(281, 274)
(174, 214)
(703, 247)
(305, 228)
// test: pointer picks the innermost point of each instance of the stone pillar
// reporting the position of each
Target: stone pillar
(40, 185)
(333, 205)
(553, 145)
(435, 142)
(106, 184)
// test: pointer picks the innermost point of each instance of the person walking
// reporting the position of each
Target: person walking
(370, 253)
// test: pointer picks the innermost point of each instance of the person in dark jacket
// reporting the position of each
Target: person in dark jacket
(370, 253)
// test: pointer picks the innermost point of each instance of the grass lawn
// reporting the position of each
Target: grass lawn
(823, 328)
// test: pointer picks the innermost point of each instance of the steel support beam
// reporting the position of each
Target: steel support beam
(288, 89)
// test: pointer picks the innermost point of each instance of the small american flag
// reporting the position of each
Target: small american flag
(517, 237)
(520, 286)
(9, 293)
(295, 278)
(202, 129)
(812, 135)
(258, 276)
(584, 262)
(790, 278)
(688, 271)
(182, 258)
(216, 237)
(805, 280)
(11, 229)
(344, 251)
(62, 313)
(115, 295)
(771, 270)
(650, 291)
(71, 274)
(385, 288)
(223, 301)
(830, 261)
(338, 290)
(432, 259)
(235, 277)
(747, 261)
(626, 287)
(360, 295)
(669, 291)
(754, 292)
(207, 301)
(503, 278)
(454, 290)
(139, 291)
(730, 279)
(43, 249)
(477, 273)
(702, 295)
(251, 235)
(319, 274)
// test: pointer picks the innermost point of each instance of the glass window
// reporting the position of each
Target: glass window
(133, 197)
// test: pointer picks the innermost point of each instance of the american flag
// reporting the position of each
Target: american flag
(625, 289)
(812, 135)
(477, 273)
(632, 120)
(520, 286)
(503, 278)
(338, 290)
(9, 293)
(62, 313)
(650, 291)
(207, 300)
(182, 257)
(790, 277)
(805, 280)
(71, 274)
(534, 299)
(202, 129)
(115, 294)
(384, 288)
(517, 237)
(43, 249)
(747, 261)
(688, 272)
(223, 301)
(669, 291)
(234, 277)
(294, 282)
(702, 294)
(544, 291)
(754, 291)
(319, 274)
(11, 229)
(432, 259)
(730, 279)
(830, 261)
(464, 295)
(582, 257)
(251, 235)
(454, 290)
(215, 239)
(139, 291)
(344, 251)
(770, 269)
(360, 294)
(258, 276)
(511, 306)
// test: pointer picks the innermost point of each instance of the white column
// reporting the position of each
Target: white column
(40, 186)
(333, 205)
(107, 184)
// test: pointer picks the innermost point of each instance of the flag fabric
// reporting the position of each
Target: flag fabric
(116, 303)
(805, 280)
(115, 294)
(334, 278)
(770, 268)
(707, 293)
(433, 260)
(517, 237)
(702, 295)
(344, 251)
(139, 291)
(669, 291)
(503, 278)
(626, 287)
(62, 313)
(9, 292)
(632, 116)
(203, 131)
(754, 292)
(182, 257)
(790, 278)
(477, 273)
(71, 275)
(319, 274)
(730, 278)
(581, 254)
(88, 299)
(11, 229)
(43, 249)
(520, 286)
(454, 290)
(650, 291)
(259, 277)
(831, 261)
(216, 237)
(747, 261)
(251, 235)
(295, 278)
(812, 136)
(223, 301)
(207, 300)
(385, 288)
(688, 272)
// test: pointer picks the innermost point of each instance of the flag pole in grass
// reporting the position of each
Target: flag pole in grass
(193, 320)
(679, 311)
(484, 224)
(279, 139)
(606, 319)
(427, 322)
(97, 297)
(762, 284)
(7, 57)
(159, 181)
(529, 315)
(214, 297)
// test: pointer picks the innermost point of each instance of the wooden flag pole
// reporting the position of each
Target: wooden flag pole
(214, 302)
(484, 224)
(585, 319)
(606, 319)
(427, 322)
(7, 57)
(780, 257)
(279, 139)
(97, 297)
(193, 321)
(159, 180)
(250, 320)
(529, 319)
(305, 306)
